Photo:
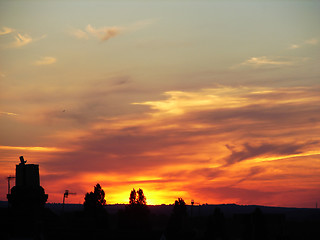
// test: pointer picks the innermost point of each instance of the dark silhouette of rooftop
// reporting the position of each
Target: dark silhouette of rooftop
(27, 192)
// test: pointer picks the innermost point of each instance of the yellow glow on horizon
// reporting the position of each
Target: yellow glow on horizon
(118, 187)
(153, 197)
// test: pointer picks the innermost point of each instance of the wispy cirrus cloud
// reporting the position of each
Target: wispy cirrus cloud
(224, 97)
(270, 62)
(6, 30)
(20, 39)
(80, 34)
(266, 61)
(107, 32)
(45, 61)
(23, 40)
(250, 151)
(311, 41)
(103, 33)
(178, 102)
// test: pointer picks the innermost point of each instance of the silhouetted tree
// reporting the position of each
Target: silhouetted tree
(141, 199)
(258, 227)
(95, 199)
(180, 208)
(132, 198)
(136, 214)
(216, 225)
(177, 223)
(93, 206)
(137, 197)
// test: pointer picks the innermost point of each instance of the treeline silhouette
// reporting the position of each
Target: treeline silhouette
(137, 221)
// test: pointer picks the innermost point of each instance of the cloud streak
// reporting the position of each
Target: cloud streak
(271, 62)
(36, 149)
(80, 34)
(6, 30)
(267, 62)
(102, 34)
(45, 61)
(8, 114)
(106, 33)
(20, 39)
(23, 40)
(264, 149)
(312, 41)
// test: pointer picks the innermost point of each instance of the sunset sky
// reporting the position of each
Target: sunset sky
(216, 101)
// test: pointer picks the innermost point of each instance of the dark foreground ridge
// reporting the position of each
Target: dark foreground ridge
(27, 216)
(227, 221)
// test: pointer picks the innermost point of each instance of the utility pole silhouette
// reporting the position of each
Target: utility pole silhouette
(192, 203)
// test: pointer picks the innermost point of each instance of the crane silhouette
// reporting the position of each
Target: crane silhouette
(65, 195)
(192, 204)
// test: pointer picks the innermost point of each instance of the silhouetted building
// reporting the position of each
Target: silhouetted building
(27, 192)
(27, 175)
